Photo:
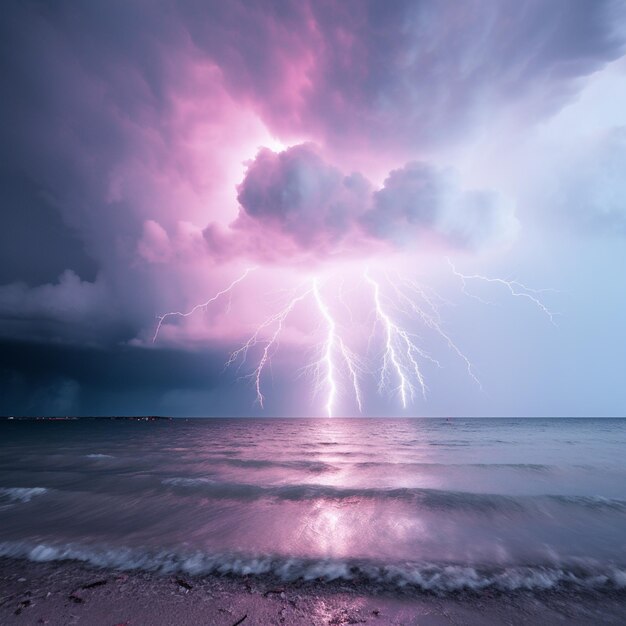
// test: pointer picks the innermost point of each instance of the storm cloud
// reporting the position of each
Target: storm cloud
(588, 190)
(401, 74)
(150, 149)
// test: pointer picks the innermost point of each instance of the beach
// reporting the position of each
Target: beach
(343, 521)
(70, 593)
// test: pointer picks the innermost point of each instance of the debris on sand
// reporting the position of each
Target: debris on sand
(275, 591)
(95, 583)
(184, 584)
(21, 606)
(75, 597)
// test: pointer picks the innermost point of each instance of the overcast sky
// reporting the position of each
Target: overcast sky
(344, 156)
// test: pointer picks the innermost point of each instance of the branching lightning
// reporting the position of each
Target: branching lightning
(430, 317)
(392, 360)
(398, 304)
(334, 344)
(203, 305)
(516, 289)
(328, 349)
(275, 324)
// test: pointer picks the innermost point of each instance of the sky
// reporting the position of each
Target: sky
(307, 208)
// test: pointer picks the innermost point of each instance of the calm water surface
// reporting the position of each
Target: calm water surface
(437, 504)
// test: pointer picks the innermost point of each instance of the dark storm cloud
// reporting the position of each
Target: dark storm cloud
(88, 132)
(55, 379)
(89, 81)
(407, 72)
(87, 84)
(60, 133)
(28, 216)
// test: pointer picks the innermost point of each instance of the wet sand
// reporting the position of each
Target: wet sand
(70, 593)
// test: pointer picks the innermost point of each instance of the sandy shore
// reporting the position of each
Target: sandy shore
(70, 593)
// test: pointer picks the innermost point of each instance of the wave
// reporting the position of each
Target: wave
(426, 498)
(320, 466)
(440, 578)
(99, 456)
(533, 467)
(309, 466)
(21, 494)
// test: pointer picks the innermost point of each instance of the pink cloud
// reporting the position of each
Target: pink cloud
(295, 205)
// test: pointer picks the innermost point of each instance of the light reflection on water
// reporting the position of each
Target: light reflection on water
(467, 491)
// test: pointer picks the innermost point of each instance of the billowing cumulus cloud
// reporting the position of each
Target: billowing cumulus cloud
(294, 202)
(295, 194)
(419, 202)
(298, 193)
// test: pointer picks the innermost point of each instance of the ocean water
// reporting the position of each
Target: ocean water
(431, 504)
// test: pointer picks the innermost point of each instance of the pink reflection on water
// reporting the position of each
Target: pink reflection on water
(327, 529)
(354, 526)
(358, 527)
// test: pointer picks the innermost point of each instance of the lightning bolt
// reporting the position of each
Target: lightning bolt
(395, 300)
(329, 347)
(400, 350)
(277, 322)
(515, 288)
(332, 348)
(431, 318)
(203, 305)
(334, 343)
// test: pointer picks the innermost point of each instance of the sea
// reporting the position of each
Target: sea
(431, 505)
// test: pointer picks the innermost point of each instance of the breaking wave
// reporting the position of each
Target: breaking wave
(440, 578)
(21, 494)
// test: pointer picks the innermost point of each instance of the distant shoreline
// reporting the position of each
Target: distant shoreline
(163, 418)
(74, 418)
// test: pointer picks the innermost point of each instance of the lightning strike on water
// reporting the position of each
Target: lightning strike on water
(203, 305)
(394, 299)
